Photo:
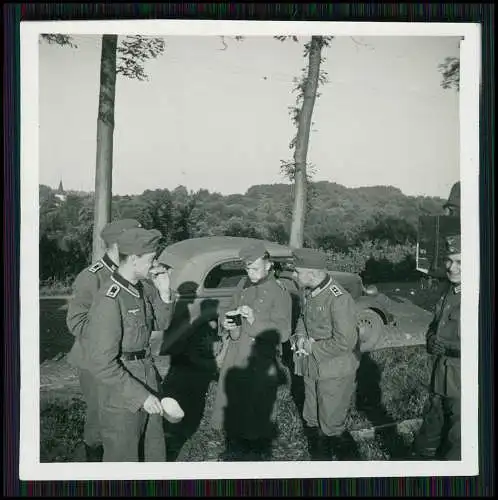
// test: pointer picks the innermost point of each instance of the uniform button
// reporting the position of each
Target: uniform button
(261, 300)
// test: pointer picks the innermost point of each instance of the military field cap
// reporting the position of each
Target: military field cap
(168, 259)
(253, 251)
(453, 244)
(454, 197)
(138, 241)
(111, 231)
(309, 259)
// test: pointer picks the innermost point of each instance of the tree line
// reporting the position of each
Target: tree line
(127, 57)
(339, 220)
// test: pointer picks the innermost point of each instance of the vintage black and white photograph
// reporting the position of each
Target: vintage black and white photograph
(249, 250)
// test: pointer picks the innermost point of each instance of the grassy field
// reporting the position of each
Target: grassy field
(391, 388)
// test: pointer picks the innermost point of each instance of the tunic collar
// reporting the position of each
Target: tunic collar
(126, 285)
(321, 287)
(109, 263)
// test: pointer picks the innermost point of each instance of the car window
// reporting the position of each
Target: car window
(225, 275)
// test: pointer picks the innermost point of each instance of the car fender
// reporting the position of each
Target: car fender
(378, 304)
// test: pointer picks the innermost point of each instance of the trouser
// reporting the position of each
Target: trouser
(125, 434)
(440, 433)
(327, 402)
(89, 388)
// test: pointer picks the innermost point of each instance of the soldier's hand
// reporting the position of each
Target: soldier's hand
(299, 346)
(308, 345)
(160, 277)
(228, 322)
(152, 405)
(434, 346)
(247, 313)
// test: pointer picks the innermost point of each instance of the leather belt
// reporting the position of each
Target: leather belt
(134, 356)
(451, 353)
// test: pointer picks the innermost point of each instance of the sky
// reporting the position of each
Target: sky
(218, 119)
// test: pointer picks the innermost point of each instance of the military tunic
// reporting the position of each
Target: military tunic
(251, 371)
(443, 407)
(329, 318)
(120, 322)
(85, 288)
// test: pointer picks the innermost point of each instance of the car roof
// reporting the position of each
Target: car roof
(187, 250)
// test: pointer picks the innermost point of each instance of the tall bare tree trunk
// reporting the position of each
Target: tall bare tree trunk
(105, 135)
(302, 139)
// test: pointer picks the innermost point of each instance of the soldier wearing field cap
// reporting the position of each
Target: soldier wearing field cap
(452, 205)
(251, 370)
(439, 436)
(115, 343)
(85, 288)
(326, 339)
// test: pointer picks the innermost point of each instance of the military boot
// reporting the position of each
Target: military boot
(94, 453)
(262, 449)
(318, 444)
(311, 434)
(344, 447)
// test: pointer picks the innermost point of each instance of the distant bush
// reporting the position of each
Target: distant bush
(53, 286)
(348, 221)
(377, 261)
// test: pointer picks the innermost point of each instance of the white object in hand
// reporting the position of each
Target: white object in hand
(172, 410)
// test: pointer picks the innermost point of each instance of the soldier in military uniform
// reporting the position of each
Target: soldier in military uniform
(327, 338)
(251, 370)
(439, 436)
(116, 350)
(452, 205)
(85, 288)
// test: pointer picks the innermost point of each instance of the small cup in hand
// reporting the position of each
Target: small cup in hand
(235, 317)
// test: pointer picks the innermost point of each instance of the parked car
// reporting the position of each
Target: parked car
(206, 273)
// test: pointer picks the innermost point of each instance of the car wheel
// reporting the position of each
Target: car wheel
(370, 327)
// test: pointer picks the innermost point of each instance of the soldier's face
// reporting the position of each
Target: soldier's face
(142, 264)
(303, 276)
(451, 210)
(258, 269)
(453, 268)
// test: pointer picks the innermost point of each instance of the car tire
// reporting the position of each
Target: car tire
(370, 327)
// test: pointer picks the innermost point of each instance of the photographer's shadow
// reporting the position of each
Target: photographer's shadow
(192, 368)
(251, 391)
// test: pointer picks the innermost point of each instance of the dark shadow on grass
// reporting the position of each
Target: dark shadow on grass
(369, 403)
(251, 394)
(297, 382)
(193, 366)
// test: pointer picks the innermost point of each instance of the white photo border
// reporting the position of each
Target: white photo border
(30, 467)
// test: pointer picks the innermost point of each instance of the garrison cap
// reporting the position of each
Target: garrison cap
(138, 241)
(454, 197)
(309, 259)
(453, 244)
(168, 259)
(253, 251)
(112, 231)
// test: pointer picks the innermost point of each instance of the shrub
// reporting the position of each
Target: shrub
(374, 259)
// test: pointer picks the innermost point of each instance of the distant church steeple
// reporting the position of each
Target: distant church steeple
(61, 195)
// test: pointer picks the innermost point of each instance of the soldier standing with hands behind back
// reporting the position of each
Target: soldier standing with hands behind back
(326, 336)
(117, 352)
(85, 289)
